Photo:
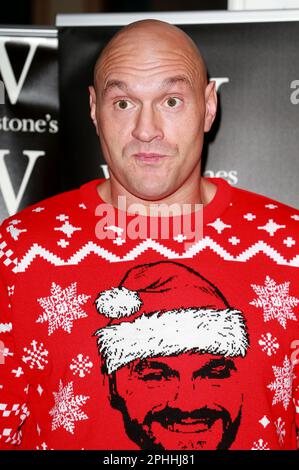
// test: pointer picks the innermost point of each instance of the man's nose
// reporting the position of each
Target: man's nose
(148, 125)
(187, 396)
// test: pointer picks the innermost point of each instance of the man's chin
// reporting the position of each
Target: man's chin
(187, 436)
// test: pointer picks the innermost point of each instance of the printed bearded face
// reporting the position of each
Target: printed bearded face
(189, 401)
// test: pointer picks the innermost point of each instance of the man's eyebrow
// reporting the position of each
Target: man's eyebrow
(169, 81)
(145, 364)
(114, 84)
(176, 79)
(223, 361)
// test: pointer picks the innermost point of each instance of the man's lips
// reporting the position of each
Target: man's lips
(190, 425)
(149, 157)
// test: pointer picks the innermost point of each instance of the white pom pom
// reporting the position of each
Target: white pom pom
(118, 302)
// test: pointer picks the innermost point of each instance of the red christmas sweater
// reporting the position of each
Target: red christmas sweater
(149, 341)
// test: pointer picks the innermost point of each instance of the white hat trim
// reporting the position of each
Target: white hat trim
(171, 333)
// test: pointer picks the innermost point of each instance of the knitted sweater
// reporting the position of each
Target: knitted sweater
(149, 340)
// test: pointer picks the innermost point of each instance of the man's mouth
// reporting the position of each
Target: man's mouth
(149, 157)
(189, 425)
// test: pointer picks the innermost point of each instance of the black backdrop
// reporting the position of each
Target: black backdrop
(254, 142)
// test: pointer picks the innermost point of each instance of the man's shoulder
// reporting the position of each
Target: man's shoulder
(263, 205)
(264, 223)
(32, 224)
(43, 207)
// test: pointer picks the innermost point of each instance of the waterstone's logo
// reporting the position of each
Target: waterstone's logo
(10, 90)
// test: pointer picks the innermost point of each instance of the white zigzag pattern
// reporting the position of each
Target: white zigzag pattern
(206, 242)
(5, 327)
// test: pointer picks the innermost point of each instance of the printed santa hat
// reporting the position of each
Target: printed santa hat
(164, 309)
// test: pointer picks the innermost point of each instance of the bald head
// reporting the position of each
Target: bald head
(147, 40)
(151, 105)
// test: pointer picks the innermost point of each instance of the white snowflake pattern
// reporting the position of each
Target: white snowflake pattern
(17, 372)
(62, 307)
(275, 300)
(15, 231)
(219, 225)
(67, 228)
(234, 240)
(36, 356)
(289, 242)
(6, 352)
(271, 227)
(282, 385)
(250, 217)
(260, 445)
(81, 365)
(43, 446)
(63, 243)
(280, 429)
(10, 290)
(264, 421)
(269, 344)
(119, 241)
(67, 408)
(180, 238)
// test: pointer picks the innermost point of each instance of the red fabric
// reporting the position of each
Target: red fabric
(54, 393)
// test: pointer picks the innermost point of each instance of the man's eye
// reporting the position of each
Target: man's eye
(152, 376)
(173, 102)
(220, 371)
(123, 104)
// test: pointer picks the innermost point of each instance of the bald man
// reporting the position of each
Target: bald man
(157, 309)
(151, 105)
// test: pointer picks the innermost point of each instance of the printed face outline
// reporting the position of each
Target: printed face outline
(190, 401)
(175, 372)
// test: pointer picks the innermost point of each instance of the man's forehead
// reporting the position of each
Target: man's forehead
(190, 360)
(164, 63)
(146, 48)
(162, 84)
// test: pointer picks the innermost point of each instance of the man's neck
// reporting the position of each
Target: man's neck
(181, 201)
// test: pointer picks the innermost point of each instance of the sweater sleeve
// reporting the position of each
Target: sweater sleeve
(14, 386)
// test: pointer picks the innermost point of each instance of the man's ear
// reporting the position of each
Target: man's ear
(211, 105)
(93, 106)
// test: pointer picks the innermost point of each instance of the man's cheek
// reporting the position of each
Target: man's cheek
(144, 396)
(227, 394)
